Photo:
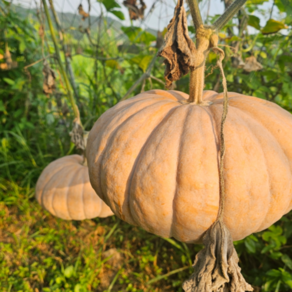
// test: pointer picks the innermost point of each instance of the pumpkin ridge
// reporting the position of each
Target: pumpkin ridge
(284, 155)
(275, 117)
(68, 189)
(189, 109)
(82, 196)
(168, 115)
(44, 189)
(243, 115)
(112, 135)
(130, 105)
(128, 190)
(109, 136)
(39, 194)
(97, 141)
(231, 128)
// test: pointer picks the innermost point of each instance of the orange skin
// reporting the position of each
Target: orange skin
(63, 189)
(154, 160)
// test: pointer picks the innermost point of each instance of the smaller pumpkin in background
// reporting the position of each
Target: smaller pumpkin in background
(64, 190)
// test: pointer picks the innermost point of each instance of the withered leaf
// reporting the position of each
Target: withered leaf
(135, 12)
(49, 79)
(178, 48)
(237, 62)
(251, 64)
(82, 12)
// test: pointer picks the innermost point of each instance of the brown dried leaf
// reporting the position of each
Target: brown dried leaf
(251, 64)
(49, 79)
(178, 48)
(82, 12)
(237, 62)
(135, 12)
(216, 266)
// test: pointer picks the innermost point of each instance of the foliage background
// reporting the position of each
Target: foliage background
(41, 253)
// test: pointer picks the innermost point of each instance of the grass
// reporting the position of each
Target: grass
(39, 252)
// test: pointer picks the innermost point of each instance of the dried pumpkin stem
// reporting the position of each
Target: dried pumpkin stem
(197, 75)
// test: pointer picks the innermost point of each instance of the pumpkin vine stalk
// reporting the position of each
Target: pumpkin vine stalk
(64, 48)
(58, 56)
(195, 12)
(228, 14)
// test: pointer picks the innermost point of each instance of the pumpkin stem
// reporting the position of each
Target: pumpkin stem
(203, 44)
(197, 76)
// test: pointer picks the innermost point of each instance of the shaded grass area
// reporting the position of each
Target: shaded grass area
(39, 252)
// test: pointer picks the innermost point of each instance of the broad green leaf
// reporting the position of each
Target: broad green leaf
(280, 5)
(118, 14)
(110, 4)
(142, 61)
(191, 29)
(114, 64)
(274, 273)
(250, 245)
(136, 34)
(79, 288)
(268, 247)
(9, 81)
(254, 21)
(287, 261)
(68, 272)
(276, 255)
(273, 26)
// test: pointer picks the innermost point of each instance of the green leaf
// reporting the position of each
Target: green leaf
(273, 26)
(274, 273)
(287, 261)
(109, 4)
(68, 272)
(136, 34)
(9, 81)
(254, 22)
(142, 61)
(114, 64)
(250, 245)
(79, 288)
(191, 29)
(286, 7)
(118, 14)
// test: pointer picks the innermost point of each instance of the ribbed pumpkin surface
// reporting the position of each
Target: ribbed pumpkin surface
(154, 161)
(64, 189)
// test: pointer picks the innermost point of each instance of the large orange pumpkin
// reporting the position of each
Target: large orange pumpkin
(154, 160)
(63, 188)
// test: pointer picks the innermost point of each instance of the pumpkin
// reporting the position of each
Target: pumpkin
(63, 189)
(154, 160)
